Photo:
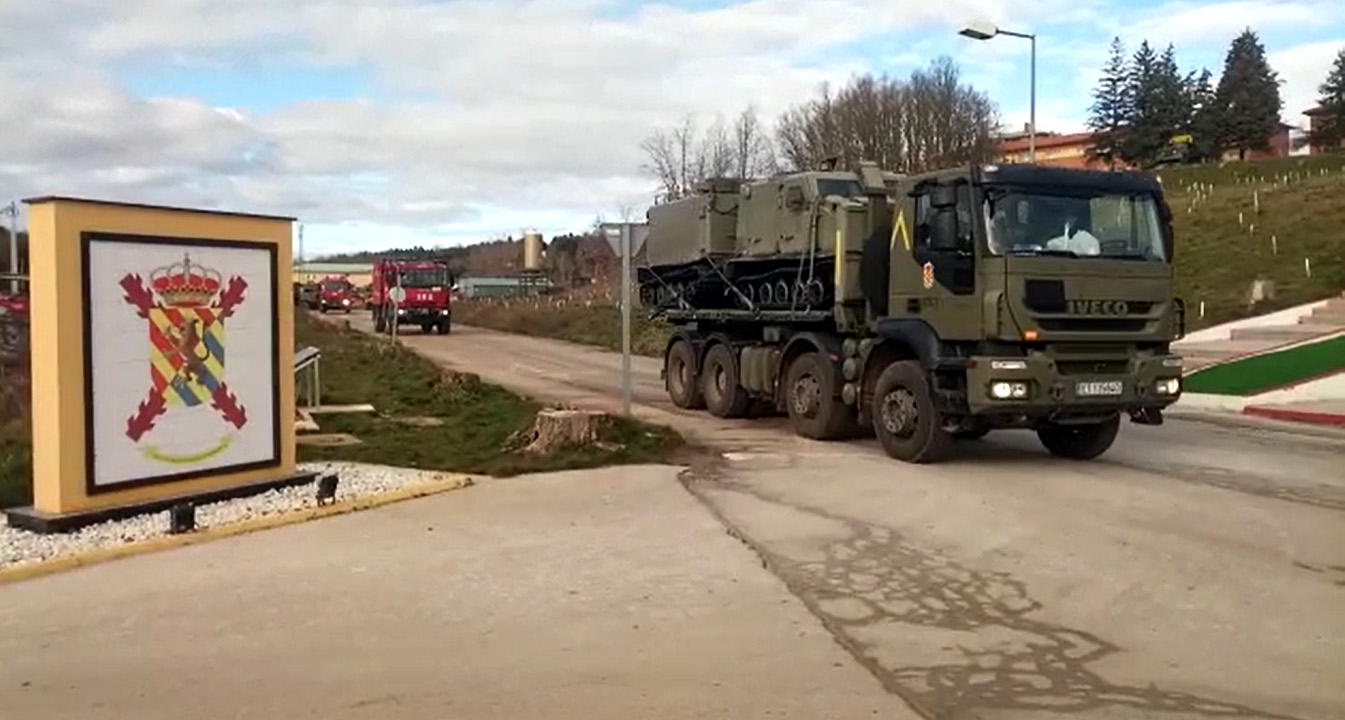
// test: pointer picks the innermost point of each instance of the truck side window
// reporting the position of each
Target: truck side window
(924, 218)
(965, 220)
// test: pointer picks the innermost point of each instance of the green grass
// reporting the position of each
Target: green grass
(1217, 259)
(1261, 373)
(596, 324)
(480, 424)
(16, 464)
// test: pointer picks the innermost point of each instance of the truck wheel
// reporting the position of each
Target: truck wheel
(680, 377)
(380, 322)
(443, 327)
(810, 398)
(905, 420)
(1080, 442)
(724, 397)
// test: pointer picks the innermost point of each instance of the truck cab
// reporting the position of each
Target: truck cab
(411, 292)
(335, 293)
(1035, 297)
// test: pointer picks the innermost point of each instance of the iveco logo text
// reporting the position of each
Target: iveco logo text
(1098, 307)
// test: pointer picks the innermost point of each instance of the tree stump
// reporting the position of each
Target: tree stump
(560, 428)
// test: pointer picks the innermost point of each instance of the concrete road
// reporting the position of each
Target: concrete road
(583, 595)
(1197, 570)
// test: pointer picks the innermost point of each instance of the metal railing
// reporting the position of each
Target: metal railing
(308, 375)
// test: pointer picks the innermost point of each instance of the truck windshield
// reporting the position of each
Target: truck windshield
(1079, 224)
(423, 277)
(335, 285)
(844, 188)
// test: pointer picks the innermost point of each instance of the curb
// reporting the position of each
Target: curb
(28, 571)
(1300, 416)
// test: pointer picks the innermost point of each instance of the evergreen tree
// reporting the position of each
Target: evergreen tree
(1248, 97)
(1136, 145)
(1330, 131)
(1203, 125)
(1111, 111)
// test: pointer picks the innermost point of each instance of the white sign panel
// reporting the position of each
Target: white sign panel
(181, 366)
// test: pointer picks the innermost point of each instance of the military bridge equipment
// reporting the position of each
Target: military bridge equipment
(922, 308)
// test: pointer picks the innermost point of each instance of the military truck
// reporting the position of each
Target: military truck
(922, 308)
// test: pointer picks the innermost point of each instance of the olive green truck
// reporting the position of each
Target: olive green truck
(924, 308)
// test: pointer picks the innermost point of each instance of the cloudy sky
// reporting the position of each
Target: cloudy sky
(387, 122)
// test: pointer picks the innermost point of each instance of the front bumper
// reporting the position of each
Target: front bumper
(1034, 385)
(421, 316)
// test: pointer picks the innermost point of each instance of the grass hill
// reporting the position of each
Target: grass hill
(1291, 209)
(1259, 220)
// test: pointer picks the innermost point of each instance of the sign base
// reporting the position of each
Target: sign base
(34, 520)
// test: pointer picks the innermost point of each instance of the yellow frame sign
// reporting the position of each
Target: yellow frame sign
(134, 404)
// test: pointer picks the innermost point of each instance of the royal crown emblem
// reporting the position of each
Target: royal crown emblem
(185, 305)
(185, 284)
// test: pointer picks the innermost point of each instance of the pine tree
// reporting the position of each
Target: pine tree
(1136, 144)
(1203, 125)
(1248, 97)
(1110, 112)
(1330, 130)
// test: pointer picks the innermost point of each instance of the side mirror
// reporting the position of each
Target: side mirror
(943, 196)
(944, 235)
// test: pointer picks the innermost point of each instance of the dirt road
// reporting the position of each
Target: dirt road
(1197, 570)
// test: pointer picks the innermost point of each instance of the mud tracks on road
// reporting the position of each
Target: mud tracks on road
(951, 640)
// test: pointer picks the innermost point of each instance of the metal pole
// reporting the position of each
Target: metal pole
(1032, 105)
(14, 247)
(625, 318)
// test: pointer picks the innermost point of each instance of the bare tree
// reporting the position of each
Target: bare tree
(681, 156)
(925, 121)
(753, 154)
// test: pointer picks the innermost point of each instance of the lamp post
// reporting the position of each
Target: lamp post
(987, 31)
(12, 210)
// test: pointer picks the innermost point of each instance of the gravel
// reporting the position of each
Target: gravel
(20, 547)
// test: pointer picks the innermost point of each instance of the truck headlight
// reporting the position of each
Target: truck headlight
(1168, 386)
(1006, 390)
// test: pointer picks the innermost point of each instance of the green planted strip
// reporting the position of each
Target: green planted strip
(1262, 373)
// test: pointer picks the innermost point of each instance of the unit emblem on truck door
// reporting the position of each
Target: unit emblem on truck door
(927, 275)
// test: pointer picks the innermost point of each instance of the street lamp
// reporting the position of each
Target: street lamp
(986, 31)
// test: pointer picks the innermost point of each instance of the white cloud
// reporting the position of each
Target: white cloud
(1304, 69)
(491, 115)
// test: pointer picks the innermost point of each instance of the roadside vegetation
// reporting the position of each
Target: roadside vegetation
(582, 321)
(434, 419)
(1270, 371)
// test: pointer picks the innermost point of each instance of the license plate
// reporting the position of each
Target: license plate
(1097, 389)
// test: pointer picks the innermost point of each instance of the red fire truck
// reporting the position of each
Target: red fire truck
(411, 292)
(335, 293)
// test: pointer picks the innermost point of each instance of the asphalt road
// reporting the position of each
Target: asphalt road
(1196, 570)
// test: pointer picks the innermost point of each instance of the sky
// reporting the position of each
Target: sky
(384, 123)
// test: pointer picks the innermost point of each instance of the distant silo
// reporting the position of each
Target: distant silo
(532, 250)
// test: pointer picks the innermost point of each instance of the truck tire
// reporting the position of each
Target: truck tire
(444, 326)
(724, 397)
(905, 420)
(810, 399)
(680, 378)
(1080, 442)
(380, 322)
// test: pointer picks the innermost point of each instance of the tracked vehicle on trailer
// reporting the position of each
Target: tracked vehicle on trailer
(923, 308)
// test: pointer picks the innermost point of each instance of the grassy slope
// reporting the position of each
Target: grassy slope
(1217, 259)
(478, 420)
